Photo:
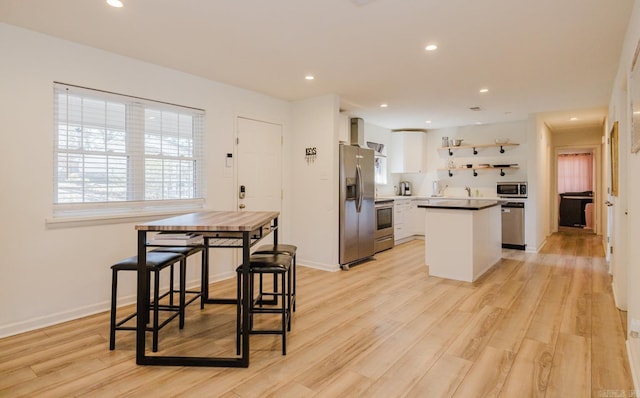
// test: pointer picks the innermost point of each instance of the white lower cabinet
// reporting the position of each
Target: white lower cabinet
(408, 220)
(401, 220)
(417, 219)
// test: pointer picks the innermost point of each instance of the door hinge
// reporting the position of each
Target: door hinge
(237, 140)
(611, 249)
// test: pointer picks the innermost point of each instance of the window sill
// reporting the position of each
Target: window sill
(85, 221)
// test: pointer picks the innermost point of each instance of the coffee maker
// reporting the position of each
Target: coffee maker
(405, 188)
(437, 188)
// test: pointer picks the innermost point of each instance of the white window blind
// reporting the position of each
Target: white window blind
(117, 154)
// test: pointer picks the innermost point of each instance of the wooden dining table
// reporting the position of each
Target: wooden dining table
(229, 229)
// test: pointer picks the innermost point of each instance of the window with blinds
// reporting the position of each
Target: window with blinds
(114, 153)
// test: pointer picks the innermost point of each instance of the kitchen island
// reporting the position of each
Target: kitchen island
(463, 237)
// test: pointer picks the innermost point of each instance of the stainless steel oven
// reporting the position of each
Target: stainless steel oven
(384, 225)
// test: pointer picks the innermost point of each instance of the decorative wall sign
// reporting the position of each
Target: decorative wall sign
(310, 154)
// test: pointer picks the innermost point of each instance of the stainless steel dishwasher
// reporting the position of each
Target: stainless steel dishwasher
(513, 225)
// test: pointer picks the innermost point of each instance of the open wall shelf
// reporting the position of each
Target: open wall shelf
(474, 170)
(475, 148)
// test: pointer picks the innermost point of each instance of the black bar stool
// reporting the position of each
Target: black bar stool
(282, 249)
(156, 261)
(187, 251)
(277, 265)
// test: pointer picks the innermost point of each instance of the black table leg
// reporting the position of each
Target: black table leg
(142, 302)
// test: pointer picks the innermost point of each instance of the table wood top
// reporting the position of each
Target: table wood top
(212, 221)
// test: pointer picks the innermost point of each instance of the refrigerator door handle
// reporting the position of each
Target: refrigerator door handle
(360, 188)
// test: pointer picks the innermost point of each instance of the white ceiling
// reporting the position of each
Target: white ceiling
(535, 56)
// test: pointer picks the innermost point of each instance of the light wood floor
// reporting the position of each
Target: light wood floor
(536, 325)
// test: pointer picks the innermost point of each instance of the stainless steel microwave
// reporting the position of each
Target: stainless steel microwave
(512, 189)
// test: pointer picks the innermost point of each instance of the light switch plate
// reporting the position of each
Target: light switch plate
(634, 329)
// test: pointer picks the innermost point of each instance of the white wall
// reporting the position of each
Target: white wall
(539, 179)
(486, 180)
(53, 274)
(316, 123)
(626, 208)
(620, 224)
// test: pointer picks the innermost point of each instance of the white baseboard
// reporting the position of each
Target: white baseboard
(633, 366)
(52, 319)
(537, 249)
(320, 266)
(616, 301)
(29, 325)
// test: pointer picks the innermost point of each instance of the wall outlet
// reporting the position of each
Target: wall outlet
(634, 329)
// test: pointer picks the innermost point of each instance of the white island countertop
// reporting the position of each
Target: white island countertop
(459, 204)
(433, 198)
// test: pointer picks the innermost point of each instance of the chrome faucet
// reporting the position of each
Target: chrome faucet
(468, 189)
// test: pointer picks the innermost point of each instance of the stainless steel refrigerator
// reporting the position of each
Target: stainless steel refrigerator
(357, 204)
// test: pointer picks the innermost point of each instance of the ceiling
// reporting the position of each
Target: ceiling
(541, 56)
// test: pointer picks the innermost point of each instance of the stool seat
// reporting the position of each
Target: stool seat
(187, 251)
(278, 265)
(154, 260)
(269, 263)
(279, 248)
(283, 248)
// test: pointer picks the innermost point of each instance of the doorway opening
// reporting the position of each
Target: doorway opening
(576, 189)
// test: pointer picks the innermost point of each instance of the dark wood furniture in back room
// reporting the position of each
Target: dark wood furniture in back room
(572, 208)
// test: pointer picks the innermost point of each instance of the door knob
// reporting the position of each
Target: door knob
(242, 206)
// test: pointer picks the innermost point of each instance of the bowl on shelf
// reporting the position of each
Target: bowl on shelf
(456, 142)
(502, 141)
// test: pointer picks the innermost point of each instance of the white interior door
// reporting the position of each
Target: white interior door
(259, 154)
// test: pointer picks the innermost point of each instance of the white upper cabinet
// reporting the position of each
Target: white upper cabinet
(344, 129)
(407, 152)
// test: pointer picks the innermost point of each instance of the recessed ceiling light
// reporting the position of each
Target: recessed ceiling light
(573, 119)
(431, 47)
(309, 77)
(484, 90)
(428, 121)
(115, 3)
(384, 105)
(362, 2)
(478, 122)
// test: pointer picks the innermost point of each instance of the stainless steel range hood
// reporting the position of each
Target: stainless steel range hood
(357, 132)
